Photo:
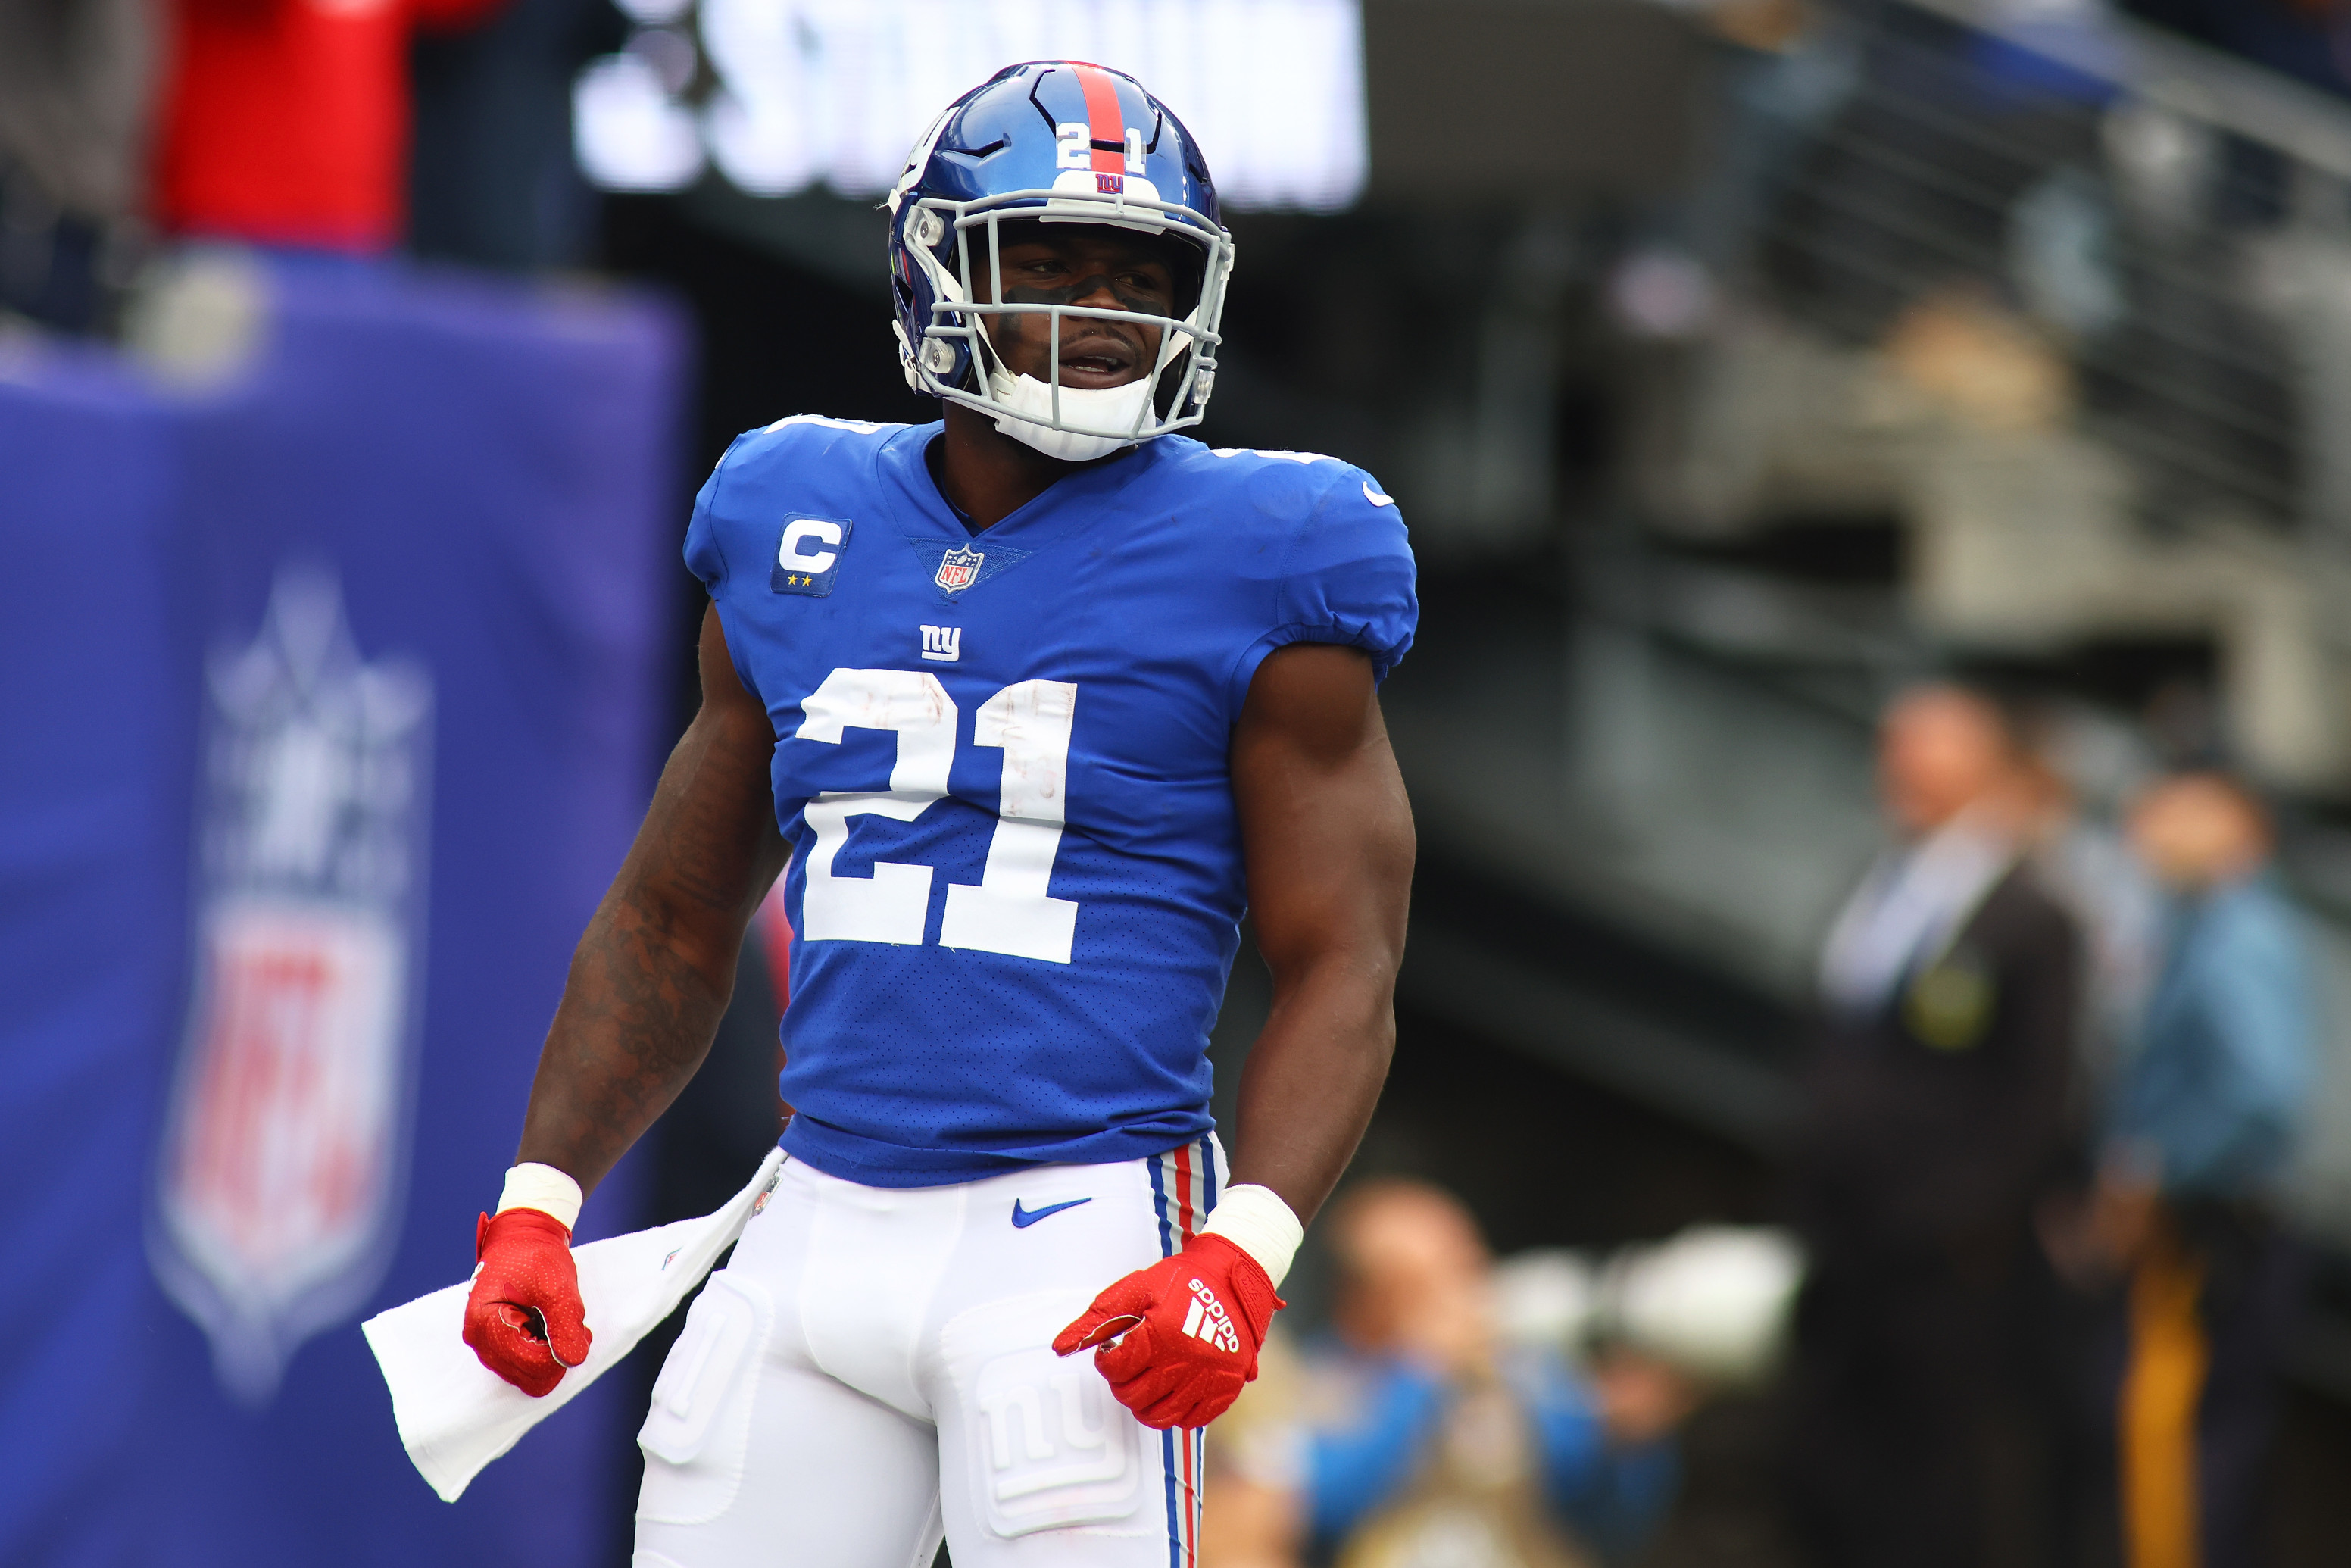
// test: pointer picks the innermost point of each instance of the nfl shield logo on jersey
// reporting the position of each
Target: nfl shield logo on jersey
(279, 1183)
(960, 568)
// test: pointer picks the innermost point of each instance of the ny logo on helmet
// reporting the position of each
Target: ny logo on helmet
(960, 568)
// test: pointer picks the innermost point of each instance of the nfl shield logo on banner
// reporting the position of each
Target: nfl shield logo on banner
(286, 1149)
(958, 569)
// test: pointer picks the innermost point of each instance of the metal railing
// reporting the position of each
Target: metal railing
(2174, 220)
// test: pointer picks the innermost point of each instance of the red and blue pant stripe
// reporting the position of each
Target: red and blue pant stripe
(1184, 1185)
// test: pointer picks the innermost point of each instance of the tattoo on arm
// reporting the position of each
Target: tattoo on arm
(655, 969)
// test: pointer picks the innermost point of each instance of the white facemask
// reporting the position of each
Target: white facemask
(1029, 418)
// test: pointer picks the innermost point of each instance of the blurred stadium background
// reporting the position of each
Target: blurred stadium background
(1736, 363)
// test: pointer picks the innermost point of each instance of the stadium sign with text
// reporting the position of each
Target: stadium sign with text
(781, 95)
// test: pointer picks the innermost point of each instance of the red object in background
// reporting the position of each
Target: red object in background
(286, 122)
(775, 937)
(772, 929)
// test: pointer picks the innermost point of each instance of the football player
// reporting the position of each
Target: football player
(1027, 707)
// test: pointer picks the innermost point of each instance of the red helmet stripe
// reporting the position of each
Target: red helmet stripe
(1106, 122)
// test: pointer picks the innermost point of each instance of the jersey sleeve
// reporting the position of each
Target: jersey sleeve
(704, 555)
(1349, 579)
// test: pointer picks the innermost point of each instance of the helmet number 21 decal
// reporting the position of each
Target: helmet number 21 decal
(1074, 147)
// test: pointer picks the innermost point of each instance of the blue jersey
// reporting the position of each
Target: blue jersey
(1002, 762)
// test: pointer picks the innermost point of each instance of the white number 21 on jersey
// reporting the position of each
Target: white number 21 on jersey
(1008, 911)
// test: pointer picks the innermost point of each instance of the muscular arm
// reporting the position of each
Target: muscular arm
(654, 971)
(1327, 834)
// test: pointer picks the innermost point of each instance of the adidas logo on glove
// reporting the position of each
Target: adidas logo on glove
(1207, 1320)
(1179, 1339)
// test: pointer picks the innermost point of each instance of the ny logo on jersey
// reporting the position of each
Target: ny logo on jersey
(960, 568)
(943, 644)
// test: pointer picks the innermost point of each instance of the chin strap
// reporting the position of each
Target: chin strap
(1026, 415)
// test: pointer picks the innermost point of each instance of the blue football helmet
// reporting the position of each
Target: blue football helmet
(1056, 142)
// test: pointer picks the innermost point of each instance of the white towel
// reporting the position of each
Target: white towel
(455, 1415)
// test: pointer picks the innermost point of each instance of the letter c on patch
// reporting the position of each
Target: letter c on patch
(788, 553)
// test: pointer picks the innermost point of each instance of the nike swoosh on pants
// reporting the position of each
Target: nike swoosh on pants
(1022, 1218)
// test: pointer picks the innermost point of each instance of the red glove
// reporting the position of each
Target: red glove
(525, 1318)
(1187, 1329)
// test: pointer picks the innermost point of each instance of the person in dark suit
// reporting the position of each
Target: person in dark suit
(1937, 1112)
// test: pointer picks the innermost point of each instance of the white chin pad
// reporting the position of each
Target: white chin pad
(1028, 416)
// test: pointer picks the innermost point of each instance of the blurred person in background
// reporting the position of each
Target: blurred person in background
(2202, 1120)
(285, 122)
(2083, 858)
(1416, 1423)
(1935, 1115)
(76, 78)
(1255, 1462)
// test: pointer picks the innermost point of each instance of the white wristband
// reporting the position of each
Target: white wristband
(544, 1188)
(1255, 1219)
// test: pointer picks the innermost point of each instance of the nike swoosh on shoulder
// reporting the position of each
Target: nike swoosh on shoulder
(1375, 497)
(1022, 1218)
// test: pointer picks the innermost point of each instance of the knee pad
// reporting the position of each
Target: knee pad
(697, 1433)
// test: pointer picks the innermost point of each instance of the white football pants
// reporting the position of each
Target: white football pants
(874, 1368)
